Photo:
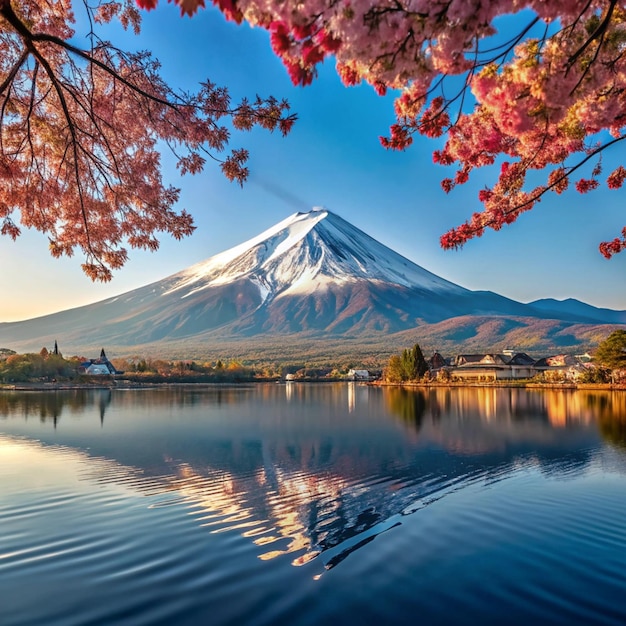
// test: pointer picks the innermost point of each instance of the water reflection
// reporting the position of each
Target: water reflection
(613, 429)
(50, 405)
(307, 471)
(409, 405)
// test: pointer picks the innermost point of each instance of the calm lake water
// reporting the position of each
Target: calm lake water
(313, 504)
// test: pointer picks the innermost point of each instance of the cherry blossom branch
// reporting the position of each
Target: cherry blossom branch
(456, 237)
(598, 33)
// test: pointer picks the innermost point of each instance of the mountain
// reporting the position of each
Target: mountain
(577, 310)
(312, 276)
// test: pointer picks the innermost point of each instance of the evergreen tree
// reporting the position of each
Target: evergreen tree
(421, 367)
(414, 363)
(408, 364)
(411, 365)
(612, 351)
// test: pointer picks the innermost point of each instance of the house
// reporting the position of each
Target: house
(480, 367)
(359, 375)
(436, 362)
(481, 359)
(98, 367)
(510, 365)
(522, 366)
(486, 367)
(560, 367)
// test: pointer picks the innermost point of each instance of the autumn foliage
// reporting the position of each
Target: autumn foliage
(80, 131)
(549, 96)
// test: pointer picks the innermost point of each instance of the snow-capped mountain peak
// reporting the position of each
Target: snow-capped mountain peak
(307, 252)
(313, 277)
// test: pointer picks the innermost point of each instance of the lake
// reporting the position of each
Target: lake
(310, 504)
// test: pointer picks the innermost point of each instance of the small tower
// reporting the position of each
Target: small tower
(103, 356)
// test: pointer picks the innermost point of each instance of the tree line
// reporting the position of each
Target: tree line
(409, 365)
(47, 366)
(33, 366)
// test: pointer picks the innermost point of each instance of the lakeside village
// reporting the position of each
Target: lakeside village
(48, 368)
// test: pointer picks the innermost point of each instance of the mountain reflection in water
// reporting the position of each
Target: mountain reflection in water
(310, 471)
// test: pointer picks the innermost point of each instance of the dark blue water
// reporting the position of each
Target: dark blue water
(313, 504)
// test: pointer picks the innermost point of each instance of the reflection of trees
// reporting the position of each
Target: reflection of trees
(44, 404)
(104, 399)
(53, 404)
(610, 409)
(606, 403)
(558, 407)
(408, 404)
(164, 397)
(613, 429)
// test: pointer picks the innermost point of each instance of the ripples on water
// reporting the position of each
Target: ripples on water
(262, 506)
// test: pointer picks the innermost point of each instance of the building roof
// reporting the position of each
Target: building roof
(481, 359)
(103, 362)
(521, 358)
(436, 361)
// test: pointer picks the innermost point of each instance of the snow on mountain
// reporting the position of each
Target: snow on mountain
(304, 253)
(312, 275)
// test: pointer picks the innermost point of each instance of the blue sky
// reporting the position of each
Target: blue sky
(332, 159)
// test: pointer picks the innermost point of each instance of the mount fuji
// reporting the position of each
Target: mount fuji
(312, 276)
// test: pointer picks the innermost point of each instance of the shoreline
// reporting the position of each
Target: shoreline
(505, 385)
(111, 386)
(125, 385)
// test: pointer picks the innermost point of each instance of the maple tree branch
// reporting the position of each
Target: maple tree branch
(14, 70)
(6, 10)
(81, 131)
(74, 144)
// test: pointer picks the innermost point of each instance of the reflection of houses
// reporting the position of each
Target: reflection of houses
(98, 367)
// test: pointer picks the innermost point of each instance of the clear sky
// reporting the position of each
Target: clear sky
(332, 159)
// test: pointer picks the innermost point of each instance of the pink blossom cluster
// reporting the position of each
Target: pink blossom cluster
(544, 109)
(539, 103)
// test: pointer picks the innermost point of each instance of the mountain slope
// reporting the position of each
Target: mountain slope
(562, 309)
(313, 274)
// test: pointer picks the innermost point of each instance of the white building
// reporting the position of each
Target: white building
(359, 375)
